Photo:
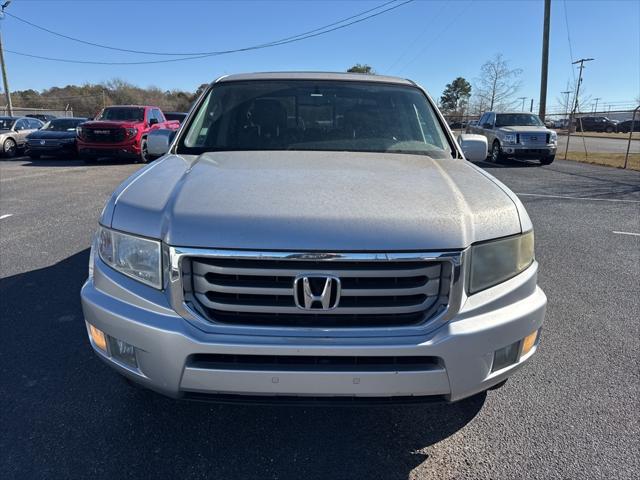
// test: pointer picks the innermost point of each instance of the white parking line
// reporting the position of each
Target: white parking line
(6, 215)
(590, 199)
(627, 233)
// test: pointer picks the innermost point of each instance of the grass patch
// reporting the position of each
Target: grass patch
(608, 159)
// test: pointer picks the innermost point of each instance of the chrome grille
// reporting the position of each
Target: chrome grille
(253, 291)
(533, 138)
(38, 142)
(103, 135)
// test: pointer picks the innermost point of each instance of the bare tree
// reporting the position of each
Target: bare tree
(477, 105)
(498, 83)
(564, 102)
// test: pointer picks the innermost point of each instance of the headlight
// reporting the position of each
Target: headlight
(554, 137)
(79, 131)
(136, 257)
(131, 132)
(498, 260)
(509, 138)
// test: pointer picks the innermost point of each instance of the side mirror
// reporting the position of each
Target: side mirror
(474, 147)
(158, 141)
(153, 121)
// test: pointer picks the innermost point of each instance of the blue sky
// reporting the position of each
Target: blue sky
(431, 42)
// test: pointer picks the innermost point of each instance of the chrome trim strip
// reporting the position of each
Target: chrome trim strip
(174, 290)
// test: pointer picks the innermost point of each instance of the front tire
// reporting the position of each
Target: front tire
(547, 160)
(609, 129)
(496, 153)
(144, 152)
(9, 148)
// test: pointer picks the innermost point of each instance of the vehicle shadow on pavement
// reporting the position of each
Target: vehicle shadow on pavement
(62, 161)
(67, 415)
(508, 164)
(75, 162)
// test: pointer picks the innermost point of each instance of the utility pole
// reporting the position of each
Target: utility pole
(3, 66)
(566, 103)
(577, 97)
(542, 112)
(595, 108)
(523, 99)
(531, 107)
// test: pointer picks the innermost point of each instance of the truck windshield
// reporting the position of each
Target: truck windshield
(129, 114)
(315, 115)
(518, 120)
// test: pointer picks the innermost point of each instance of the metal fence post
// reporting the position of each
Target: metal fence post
(633, 121)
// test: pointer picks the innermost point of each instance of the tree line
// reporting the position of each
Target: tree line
(88, 99)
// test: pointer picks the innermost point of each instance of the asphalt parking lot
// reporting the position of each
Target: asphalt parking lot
(571, 413)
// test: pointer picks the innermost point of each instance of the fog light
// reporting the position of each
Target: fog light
(505, 356)
(98, 338)
(528, 342)
(123, 351)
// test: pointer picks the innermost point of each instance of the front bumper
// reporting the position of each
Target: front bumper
(52, 149)
(166, 345)
(526, 151)
(129, 149)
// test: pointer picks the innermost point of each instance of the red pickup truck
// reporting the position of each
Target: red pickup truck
(121, 131)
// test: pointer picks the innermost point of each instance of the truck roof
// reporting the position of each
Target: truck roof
(131, 106)
(509, 112)
(353, 77)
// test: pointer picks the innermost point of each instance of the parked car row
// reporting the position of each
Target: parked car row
(595, 124)
(117, 131)
(581, 124)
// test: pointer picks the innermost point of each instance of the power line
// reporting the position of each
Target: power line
(195, 55)
(432, 21)
(442, 31)
(3, 66)
(566, 21)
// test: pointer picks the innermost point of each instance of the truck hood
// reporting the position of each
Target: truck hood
(110, 124)
(321, 201)
(525, 129)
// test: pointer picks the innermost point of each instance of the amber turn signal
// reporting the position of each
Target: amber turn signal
(98, 337)
(528, 342)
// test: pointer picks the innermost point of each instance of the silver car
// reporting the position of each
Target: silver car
(314, 235)
(14, 131)
(517, 135)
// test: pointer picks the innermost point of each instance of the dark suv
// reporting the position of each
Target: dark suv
(596, 124)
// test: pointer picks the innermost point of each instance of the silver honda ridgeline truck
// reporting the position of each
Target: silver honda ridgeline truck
(314, 235)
